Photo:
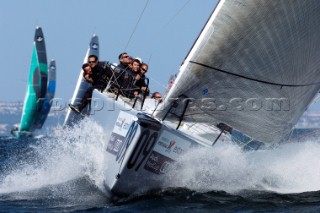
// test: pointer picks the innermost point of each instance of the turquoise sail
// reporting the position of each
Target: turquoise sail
(36, 88)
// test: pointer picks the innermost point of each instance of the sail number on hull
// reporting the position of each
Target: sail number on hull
(143, 148)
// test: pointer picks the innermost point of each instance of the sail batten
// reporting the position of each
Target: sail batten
(257, 80)
(254, 67)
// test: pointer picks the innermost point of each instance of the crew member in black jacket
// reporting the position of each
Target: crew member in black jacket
(99, 74)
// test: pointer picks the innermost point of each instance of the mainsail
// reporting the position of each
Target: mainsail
(51, 88)
(255, 67)
(82, 84)
(37, 85)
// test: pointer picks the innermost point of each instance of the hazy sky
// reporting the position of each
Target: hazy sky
(162, 38)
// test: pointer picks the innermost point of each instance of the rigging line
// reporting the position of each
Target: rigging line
(160, 30)
(175, 15)
(149, 58)
(316, 100)
(135, 27)
(257, 80)
(157, 82)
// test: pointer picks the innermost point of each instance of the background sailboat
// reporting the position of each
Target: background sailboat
(51, 88)
(36, 88)
(82, 85)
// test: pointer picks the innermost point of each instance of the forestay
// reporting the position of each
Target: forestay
(255, 67)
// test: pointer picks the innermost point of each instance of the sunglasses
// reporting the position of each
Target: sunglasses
(144, 69)
(125, 56)
(91, 62)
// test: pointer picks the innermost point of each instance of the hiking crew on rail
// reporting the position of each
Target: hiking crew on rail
(128, 79)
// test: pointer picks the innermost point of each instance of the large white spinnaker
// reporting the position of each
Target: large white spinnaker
(255, 67)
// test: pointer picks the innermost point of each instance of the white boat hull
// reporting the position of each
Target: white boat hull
(139, 149)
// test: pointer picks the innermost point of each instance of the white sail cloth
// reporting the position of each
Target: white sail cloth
(255, 66)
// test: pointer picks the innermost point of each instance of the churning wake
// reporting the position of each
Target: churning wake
(58, 163)
(68, 154)
(290, 168)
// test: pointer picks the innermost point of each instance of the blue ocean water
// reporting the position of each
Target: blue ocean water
(61, 172)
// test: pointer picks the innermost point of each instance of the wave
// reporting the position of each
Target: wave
(68, 154)
(71, 154)
(289, 168)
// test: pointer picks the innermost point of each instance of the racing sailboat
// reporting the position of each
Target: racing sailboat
(51, 88)
(82, 85)
(253, 69)
(35, 109)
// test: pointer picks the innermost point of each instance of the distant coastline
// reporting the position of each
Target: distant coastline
(10, 114)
